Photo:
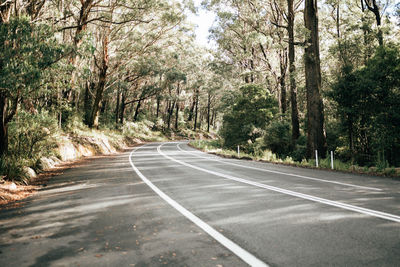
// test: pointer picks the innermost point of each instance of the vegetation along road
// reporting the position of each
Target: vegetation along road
(169, 204)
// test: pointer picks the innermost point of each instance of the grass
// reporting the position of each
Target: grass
(215, 146)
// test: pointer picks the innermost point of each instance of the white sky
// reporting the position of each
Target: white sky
(204, 21)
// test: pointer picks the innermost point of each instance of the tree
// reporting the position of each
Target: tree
(27, 51)
(253, 108)
(371, 131)
(315, 109)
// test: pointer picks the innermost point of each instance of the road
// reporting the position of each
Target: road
(166, 204)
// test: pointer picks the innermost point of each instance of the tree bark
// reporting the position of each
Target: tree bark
(208, 112)
(94, 117)
(191, 111)
(292, 73)
(282, 79)
(137, 110)
(3, 126)
(117, 106)
(84, 12)
(196, 111)
(374, 8)
(315, 111)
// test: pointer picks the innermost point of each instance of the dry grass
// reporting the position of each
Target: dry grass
(11, 192)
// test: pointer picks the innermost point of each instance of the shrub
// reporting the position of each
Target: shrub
(31, 136)
(277, 137)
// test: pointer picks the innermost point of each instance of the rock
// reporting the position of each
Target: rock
(13, 186)
(30, 172)
(46, 163)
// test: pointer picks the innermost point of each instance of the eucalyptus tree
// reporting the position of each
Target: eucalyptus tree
(27, 51)
(316, 139)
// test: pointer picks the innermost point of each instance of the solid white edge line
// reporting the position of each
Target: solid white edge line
(374, 213)
(236, 249)
(282, 173)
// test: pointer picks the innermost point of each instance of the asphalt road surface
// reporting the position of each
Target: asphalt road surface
(166, 204)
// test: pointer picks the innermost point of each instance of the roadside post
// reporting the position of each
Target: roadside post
(316, 158)
(238, 150)
(332, 160)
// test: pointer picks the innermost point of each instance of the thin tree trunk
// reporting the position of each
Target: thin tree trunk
(315, 111)
(3, 126)
(158, 106)
(191, 111)
(196, 112)
(282, 80)
(137, 110)
(87, 103)
(176, 116)
(117, 106)
(208, 112)
(177, 106)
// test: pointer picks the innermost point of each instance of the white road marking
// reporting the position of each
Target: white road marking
(236, 249)
(379, 214)
(282, 173)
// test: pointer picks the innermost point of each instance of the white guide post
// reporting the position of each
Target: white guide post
(316, 158)
(238, 152)
(332, 160)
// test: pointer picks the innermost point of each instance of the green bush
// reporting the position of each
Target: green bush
(13, 169)
(31, 136)
(277, 137)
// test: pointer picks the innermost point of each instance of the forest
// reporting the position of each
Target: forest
(281, 76)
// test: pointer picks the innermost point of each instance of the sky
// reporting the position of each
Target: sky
(204, 21)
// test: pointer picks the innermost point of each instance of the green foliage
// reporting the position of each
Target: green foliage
(26, 50)
(31, 136)
(253, 108)
(277, 137)
(13, 169)
(367, 103)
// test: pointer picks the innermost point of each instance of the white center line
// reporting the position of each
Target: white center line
(379, 214)
(235, 248)
(282, 173)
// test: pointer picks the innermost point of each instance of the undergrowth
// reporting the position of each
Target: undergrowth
(215, 146)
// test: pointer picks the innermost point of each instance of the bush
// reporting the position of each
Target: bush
(13, 170)
(300, 152)
(31, 137)
(277, 137)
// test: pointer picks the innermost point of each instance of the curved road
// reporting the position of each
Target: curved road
(166, 204)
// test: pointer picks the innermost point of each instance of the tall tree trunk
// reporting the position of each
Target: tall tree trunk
(292, 73)
(170, 112)
(208, 112)
(84, 12)
(94, 117)
(176, 116)
(177, 106)
(315, 111)
(282, 79)
(117, 106)
(87, 103)
(196, 111)
(4, 125)
(158, 106)
(191, 111)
